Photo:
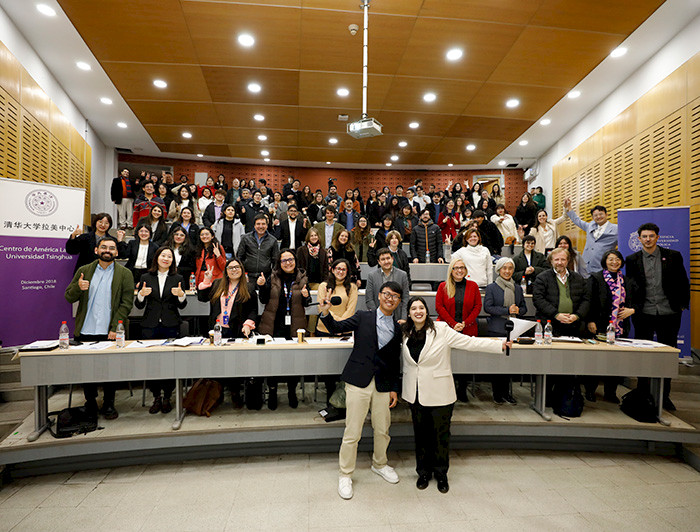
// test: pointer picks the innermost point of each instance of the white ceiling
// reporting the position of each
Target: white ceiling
(59, 45)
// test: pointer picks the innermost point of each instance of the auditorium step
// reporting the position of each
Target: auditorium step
(14, 391)
(9, 373)
(12, 414)
(6, 356)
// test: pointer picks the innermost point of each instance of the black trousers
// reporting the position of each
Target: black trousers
(90, 389)
(666, 329)
(431, 430)
(150, 333)
(500, 384)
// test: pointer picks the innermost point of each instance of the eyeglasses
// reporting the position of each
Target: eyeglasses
(459, 268)
(390, 296)
(233, 267)
(287, 261)
(341, 269)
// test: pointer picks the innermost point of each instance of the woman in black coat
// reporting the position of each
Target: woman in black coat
(84, 244)
(526, 213)
(184, 252)
(156, 221)
(161, 290)
(186, 221)
(138, 252)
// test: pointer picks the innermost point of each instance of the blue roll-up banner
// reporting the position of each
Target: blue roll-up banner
(674, 225)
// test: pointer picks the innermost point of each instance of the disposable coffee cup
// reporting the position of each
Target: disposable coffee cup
(301, 335)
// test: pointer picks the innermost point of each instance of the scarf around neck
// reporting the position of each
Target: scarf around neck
(617, 290)
(508, 291)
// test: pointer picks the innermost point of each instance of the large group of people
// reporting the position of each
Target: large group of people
(247, 245)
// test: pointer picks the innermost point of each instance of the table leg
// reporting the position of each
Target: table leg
(657, 390)
(41, 411)
(179, 410)
(541, 397)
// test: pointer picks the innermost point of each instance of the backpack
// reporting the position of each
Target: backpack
(253, 393)
(204, 395)
(71, 421)
(639, 406)
(567, 400)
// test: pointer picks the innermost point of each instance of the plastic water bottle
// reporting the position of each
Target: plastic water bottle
(523, 285)
(610, 333)
(548, 333)
(121, 334)
(217, 332)
(193, 282)
(63, 336)
(538, 333)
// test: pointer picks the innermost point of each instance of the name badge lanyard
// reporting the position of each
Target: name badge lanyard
(226, 301)
(288, 297)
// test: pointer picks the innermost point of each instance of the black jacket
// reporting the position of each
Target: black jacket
(526, 216)
(601, 302)
(192, 232)
(161, 310)
(674, 279)
(491, 237)
(249, 211)
(84, 246)
(240, 311)
(538, 261)
(343, 218)
(256, 258)
(130, 251)
(159, 236)
(418, 243)
(367, 360)
(209, 216)
(545, 296)
(282, 232)
(401, 260)
(187, 266)
(117, 193)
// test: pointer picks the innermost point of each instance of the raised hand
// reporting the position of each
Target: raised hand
(209, 273)
(567, 204)
(261, 279)
(120, 235)
(217, 251)
(305, 291)
(145, 290)
(441, 260)
(178, 291)
(373, 243)
(324, 306)
(78, 231)
(83, 283)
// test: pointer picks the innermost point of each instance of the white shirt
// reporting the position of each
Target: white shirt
(292, 233)
(562, 278)
(178, 257)
(162, 276)
(598, 231)
(142, 257)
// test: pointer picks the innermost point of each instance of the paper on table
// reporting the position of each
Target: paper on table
(41, 344)
(646, 344)
(98, 346)
(520, 327)
(571, 339)
(187, 340)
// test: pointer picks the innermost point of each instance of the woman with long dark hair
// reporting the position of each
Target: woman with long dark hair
(183, 252)
(357, 203)
(161, 290)
(187, 222)
(312, 257)
(526, 213)
(449, 221)
(341, 248)
(429, 388)
(84, 244)
(139, 251)
(362, 238)
(183, 198)
(406, 222)
(156, 221)
(163, 192)
(209, 254)
(306, 198)
(228, 230)
(576, 262)
(394, 207)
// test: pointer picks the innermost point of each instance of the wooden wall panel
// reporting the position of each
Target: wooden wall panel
(665, 98)
(34, 149)
(622, 128)
(9, 136)
(693, 77)
(10, 72)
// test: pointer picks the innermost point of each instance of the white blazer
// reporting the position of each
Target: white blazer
(432, 374)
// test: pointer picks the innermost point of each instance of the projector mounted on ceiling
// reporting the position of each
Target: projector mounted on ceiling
(366, 126)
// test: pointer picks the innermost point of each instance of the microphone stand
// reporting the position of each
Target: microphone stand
(509, 327)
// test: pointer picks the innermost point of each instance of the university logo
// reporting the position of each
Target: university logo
(41, 202)
(633, 243)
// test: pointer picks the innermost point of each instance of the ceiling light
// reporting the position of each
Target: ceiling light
(573, 95)
(254, 87)
(333, 140)
(82, 65)
(429, 97)
(454, 54)
(545, 122)
(403, 144)
(450, 165)
(121, 125)
(264, 153)
(245, 39)
(618, 52)
(388, 164)
(187, 135)
(106, 101)
(512, 103)
(266, 159)
(471, 147)
(502, 163)
(414, 125)
(200, 155)
(328, 162)
(523, 143)
(259, 118)
(394, 157)
(342, 92)
(160, 83)
(46, 10)
(262, 137)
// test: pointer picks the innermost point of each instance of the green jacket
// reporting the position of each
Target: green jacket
(122, 295)
(321, 228)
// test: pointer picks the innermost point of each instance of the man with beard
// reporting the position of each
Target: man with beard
(105, 291)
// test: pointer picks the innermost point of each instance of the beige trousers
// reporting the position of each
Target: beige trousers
(358, 402)
(125, 213)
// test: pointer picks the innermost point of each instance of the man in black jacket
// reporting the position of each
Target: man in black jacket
(292, 230)
(213, 211)
(426, 241)
(371, 377)
(663, 291)
(123, 192)
(258, 249)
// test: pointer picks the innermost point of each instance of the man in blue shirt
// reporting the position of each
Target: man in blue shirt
(105, 291)
(601, 235)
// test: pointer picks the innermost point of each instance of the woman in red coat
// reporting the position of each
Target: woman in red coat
(210, 256)
(449, 221)
(458, 303)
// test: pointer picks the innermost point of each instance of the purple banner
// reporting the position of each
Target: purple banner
(35, 274)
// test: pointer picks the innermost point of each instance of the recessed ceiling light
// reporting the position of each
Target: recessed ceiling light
(121, 125)
(246, 39)
(46, 10)
(454, 54)
(512, 103)
(106, 101)
(259, 118)
(618, 52)
(342, 92)
(200, 155)
(82, 65)
(266, 159)
(471, 147)
(450, 165)
(333, 140)
(264, 153)
(502, 163)
(523, 143)
(394, 157)
(262, 137)
(254, 87)
(414, 125)
(160, 83)
(187, 135)
(388, 164)
(573, 94)
(328, 162)
(545, 122)
(429, 97)
(403, 144)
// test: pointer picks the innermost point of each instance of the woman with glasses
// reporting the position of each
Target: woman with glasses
(285, 296)
(341, 248)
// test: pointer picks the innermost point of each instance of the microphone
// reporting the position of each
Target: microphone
(336, 300)
(509, 327)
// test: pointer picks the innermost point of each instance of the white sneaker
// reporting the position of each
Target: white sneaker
(387, 473)
(345, 487)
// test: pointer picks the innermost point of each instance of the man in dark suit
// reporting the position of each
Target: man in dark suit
(292, 230)
(371, 377)
(663, 291)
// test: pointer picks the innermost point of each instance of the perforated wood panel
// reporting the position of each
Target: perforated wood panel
(694, 191)
(9, 136)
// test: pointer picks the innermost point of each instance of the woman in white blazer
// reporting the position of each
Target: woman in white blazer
(429, 387)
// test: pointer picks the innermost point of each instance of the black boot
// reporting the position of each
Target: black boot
(272, 398)
(157, 405)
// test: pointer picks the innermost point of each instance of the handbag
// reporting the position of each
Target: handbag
(203, 397)
(639, 406)
(71, 421)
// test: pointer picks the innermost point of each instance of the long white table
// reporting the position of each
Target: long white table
(44, 368)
